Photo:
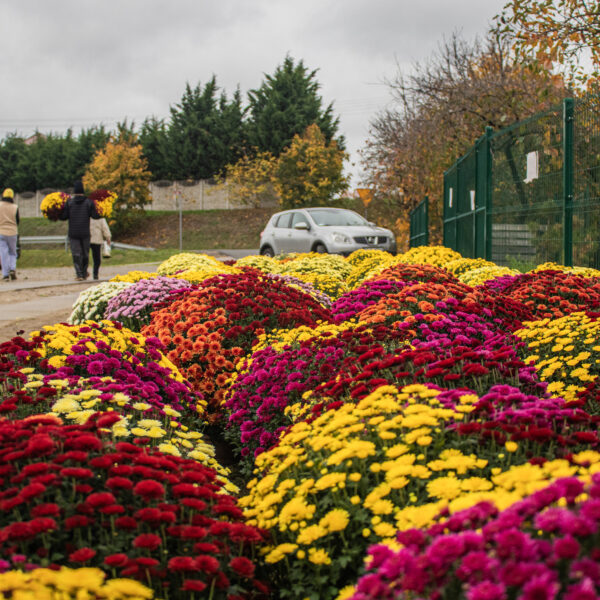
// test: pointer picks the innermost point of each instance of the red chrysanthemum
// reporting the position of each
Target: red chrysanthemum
(149, 541)
(149, 490)
(82, 555)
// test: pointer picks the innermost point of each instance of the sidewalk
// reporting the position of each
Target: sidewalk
(30, 279)
(63, 276)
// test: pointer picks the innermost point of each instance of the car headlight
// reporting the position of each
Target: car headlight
(340, 238)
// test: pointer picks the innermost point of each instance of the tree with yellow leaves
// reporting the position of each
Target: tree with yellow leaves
(310, 171)
(563, 35)
(121, 168)
(251, 178)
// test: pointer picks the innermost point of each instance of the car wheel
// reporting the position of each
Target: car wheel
(321, 248)
(267, 251)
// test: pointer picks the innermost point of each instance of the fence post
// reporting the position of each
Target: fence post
(568, 104)
(426, 219)
(488, 192)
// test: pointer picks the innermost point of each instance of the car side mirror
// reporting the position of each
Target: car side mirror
(372, 224)
(301, 225)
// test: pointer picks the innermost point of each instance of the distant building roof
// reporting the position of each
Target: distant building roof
(34, 138)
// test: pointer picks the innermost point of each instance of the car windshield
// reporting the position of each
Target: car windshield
(325, 218)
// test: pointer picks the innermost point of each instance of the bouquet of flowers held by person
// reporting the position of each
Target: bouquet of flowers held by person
(104, 201)
(52, 205)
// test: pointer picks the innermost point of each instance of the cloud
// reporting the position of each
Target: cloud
(68, 63)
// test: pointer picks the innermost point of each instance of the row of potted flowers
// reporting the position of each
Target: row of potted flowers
(369, 402)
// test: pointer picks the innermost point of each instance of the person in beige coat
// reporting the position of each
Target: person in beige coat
(9, 221)
(99, 232)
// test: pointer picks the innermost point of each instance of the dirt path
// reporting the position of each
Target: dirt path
(9, 329)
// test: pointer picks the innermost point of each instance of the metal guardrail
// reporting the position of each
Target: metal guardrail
(42, 239)
(63, 239)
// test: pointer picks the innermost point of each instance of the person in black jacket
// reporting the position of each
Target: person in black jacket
(78, 210)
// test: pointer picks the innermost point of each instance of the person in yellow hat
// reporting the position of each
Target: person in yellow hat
(9, 222)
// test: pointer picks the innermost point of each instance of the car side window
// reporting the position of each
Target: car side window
(299, 218)
(283, 220)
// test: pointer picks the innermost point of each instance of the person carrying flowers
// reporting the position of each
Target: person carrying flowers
(100, 232)
(9, 221)
(78, 210)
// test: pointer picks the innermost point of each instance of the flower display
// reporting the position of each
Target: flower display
(541, 547)
(217, 323)
(367, 254)
(305, 286)
(133, 512)
(147, 423)
(442, 360)
(52, 205)
(134, 276)
(461, 266)
(198, 275)
(413, 426)
(431, 255)
(104, 202)
(366, 470)
(133, 305)
(266, 264)
(483, 274)
(416, 273)
(188, 261)
(435, 298)
(552, 294)
(419, 298)
(368, 267)
(278, 375)
(331, 265)
(330, 285)
(581, 271)
(565, 352)
(368, 293)
(92, 302)
(71, 584)
(106, 349)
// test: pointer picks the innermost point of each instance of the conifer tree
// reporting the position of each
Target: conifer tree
(284, 105)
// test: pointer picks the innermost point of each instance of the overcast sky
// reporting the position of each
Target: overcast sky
(77, 63)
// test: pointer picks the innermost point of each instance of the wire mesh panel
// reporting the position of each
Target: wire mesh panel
(586, 182)
(419, 224)
(527, 191)
(465, 234)
(450, 194)
(467, 182)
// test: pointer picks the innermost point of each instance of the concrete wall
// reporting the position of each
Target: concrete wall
(201, 195)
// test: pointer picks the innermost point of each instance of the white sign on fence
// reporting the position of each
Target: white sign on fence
(532, 166)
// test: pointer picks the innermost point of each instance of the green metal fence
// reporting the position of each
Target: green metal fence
(585, 209)
(419, 224)
(530, 193)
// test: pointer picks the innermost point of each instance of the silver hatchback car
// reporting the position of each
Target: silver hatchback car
(333, 230)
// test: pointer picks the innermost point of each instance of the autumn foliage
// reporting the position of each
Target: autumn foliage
(309, 172)
(121, 167)
(441, 109)
(557, 34)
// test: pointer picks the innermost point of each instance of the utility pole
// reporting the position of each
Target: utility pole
(178, 204)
